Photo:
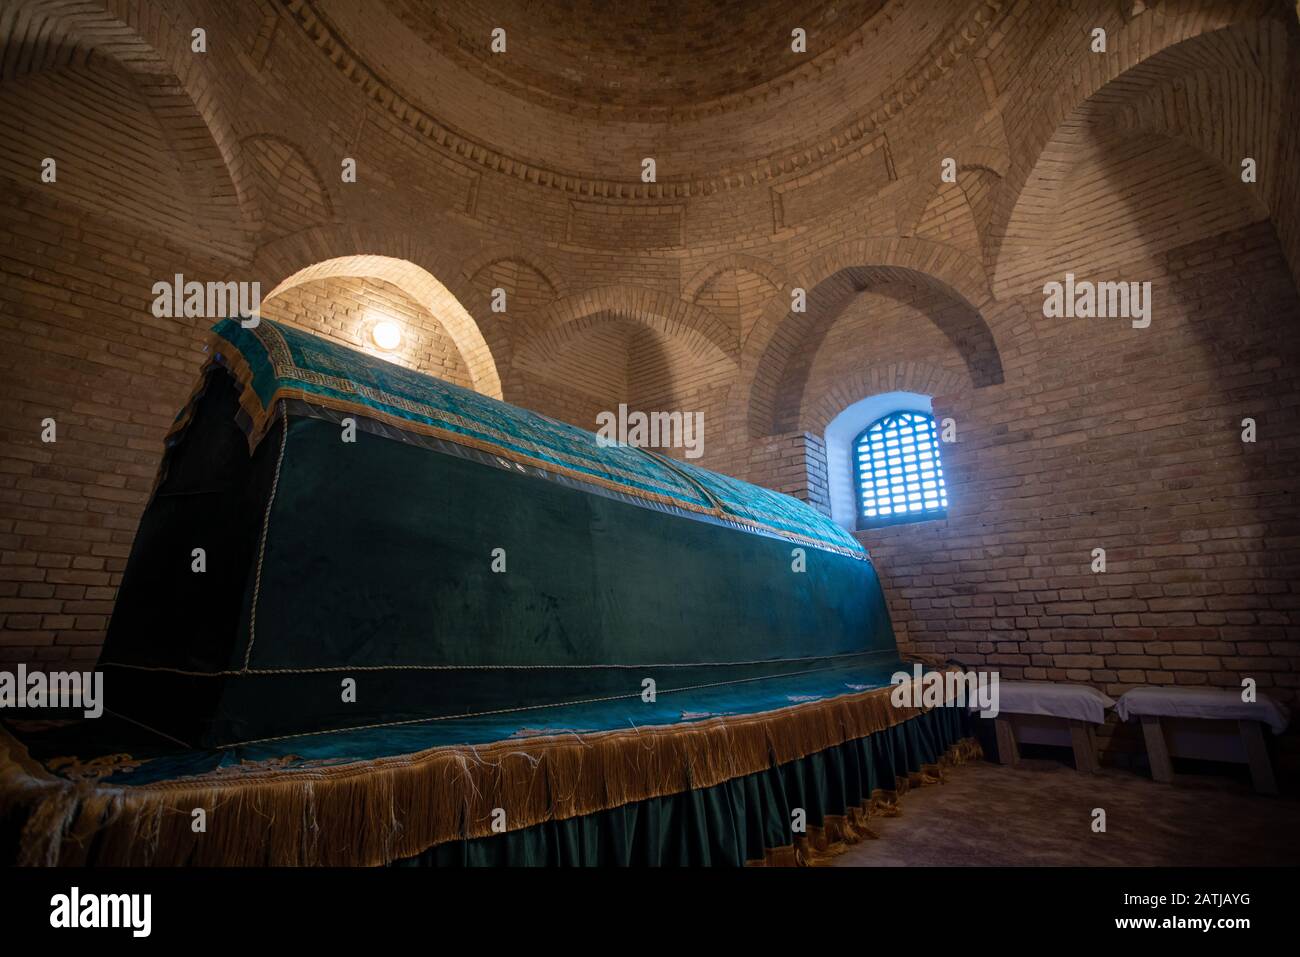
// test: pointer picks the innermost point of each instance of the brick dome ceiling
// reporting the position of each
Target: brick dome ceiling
(659, 55)
(586, 90)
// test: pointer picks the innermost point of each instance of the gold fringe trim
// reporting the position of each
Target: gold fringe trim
(839, 832)
(374, 812)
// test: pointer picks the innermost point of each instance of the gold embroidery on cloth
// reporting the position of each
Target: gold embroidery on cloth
(286, 762)
(94, 769)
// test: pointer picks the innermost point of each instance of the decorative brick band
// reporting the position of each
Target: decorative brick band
(938, 61)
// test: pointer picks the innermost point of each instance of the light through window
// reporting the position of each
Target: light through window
(898, 473)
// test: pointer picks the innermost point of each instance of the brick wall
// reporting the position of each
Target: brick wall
(80, 346)
(1139, 452)
(1135, 448)
(345, 309)
(1072, 434)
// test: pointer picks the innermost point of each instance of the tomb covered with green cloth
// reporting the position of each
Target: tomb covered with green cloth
(448, 555)
(370, 617)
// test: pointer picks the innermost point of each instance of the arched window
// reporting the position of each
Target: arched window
(897, 472)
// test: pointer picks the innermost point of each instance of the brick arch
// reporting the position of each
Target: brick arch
(786, 368)
(413, 279)
(921, 377)
(490, 257)
(593, 352)
(991, 159)
(936, 265)
(777, 335)
(142, 38)
(667, 314)
(268, 159)
(1029, 254)
(736, 261)
(1171, 107)
(1174, 41)
(559, 337)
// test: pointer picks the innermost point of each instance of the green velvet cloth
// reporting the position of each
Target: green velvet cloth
(378, 561)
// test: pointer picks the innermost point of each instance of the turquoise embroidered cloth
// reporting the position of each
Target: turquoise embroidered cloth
(146, 758)
(280, 361)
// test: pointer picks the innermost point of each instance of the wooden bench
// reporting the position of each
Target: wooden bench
(1048, 712)
(1207, 723)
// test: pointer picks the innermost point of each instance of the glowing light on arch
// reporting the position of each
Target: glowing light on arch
(425, 289)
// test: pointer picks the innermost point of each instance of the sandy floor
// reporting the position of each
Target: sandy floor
(1040, 813)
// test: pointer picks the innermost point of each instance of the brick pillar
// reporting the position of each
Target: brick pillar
(793, 463)
(819, 492)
